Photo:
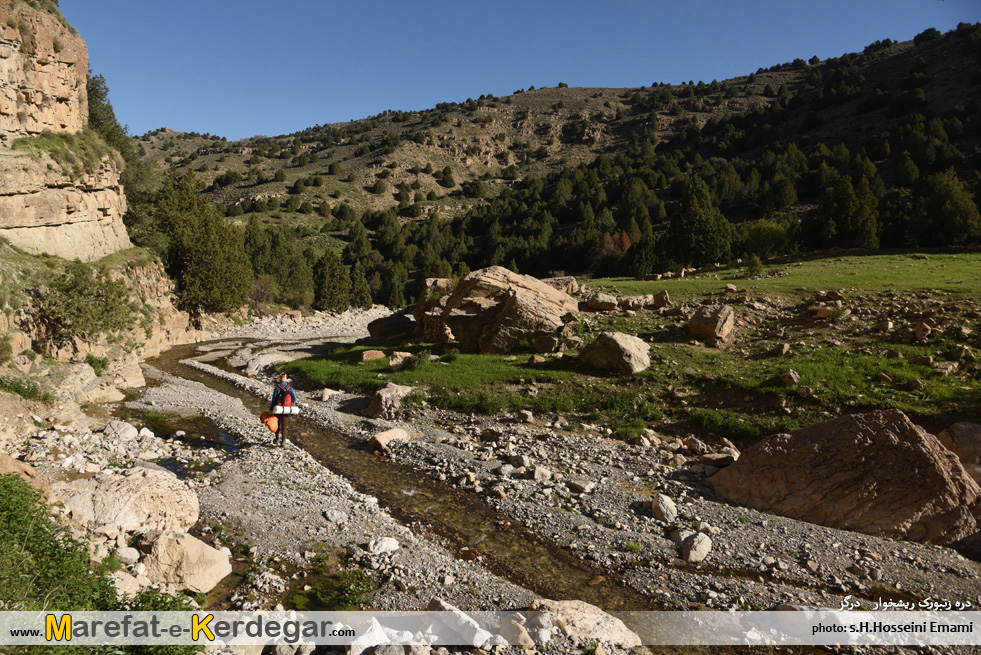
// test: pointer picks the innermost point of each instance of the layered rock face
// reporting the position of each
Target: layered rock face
(45, 208)
(43, 68)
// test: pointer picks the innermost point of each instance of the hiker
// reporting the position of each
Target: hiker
(285, 396)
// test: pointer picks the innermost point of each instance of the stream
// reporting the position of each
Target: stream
(467, 526)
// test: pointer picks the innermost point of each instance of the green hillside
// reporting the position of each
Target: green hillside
(872, 149)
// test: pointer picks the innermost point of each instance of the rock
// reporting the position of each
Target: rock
(696, 548)
(718, 460)
(326, 393)
(121, 430)
(618, 352)
(546, 343)
(26, 472)
(602, 302)
(661, 300)
(459, 622)
(371, 355)
(184, 561)
(780, 349)
(852, 473)
(383, 545)
(259, 363)
(579, 619)
(541, 474)
(127, 555)
(125, 584)
(964, 440)
(397, 360)
(922, 331)
(664, 509)
(565, 284)
(387, 401)
(392, 325)
(429, 310)
(789, 378)
(525, 416)
(712, 322)
(335, 516)
(381, 440)
(492, 310)
(138, 500)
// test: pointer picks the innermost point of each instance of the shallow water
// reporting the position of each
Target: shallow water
(468, 526)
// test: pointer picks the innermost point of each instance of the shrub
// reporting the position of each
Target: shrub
(84, 303)
(98, 364)
(28, 390)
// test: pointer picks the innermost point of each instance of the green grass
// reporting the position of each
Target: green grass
(730, 391)
(955, 273)
(75, 153)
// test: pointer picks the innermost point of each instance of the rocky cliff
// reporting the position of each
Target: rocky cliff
(46, 206)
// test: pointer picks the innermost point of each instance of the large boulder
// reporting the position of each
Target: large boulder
(493, 309)
(964, 440)
(579, 619)
(618, 352)
(184, 561)
(712, 323)
(140, 499)
(387, 401)
(392, 325)
(854, 473)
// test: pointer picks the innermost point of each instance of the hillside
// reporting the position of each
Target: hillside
(546, 129)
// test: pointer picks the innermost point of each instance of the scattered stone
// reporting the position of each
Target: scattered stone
(664, 509)
(381, 440)
(712, 323)
(780, 349)
(121, 430)
(695, 548)
(602, 302)
(525, 416)
(789, 378)
(397, 360)
(383, 545)
(371, 355)
(387, 401)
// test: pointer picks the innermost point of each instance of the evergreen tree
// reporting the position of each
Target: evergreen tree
(360, 291)
(944, 213)
(396, 296)
(332, 284)
(698, 232)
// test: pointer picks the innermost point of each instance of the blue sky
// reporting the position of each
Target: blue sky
(244, 67)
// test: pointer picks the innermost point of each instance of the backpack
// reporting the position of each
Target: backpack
(287, 399)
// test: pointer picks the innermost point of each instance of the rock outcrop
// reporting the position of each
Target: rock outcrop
(617, 352)
(854, 473)
(43, 67)
(46, 206)
(493, 309)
